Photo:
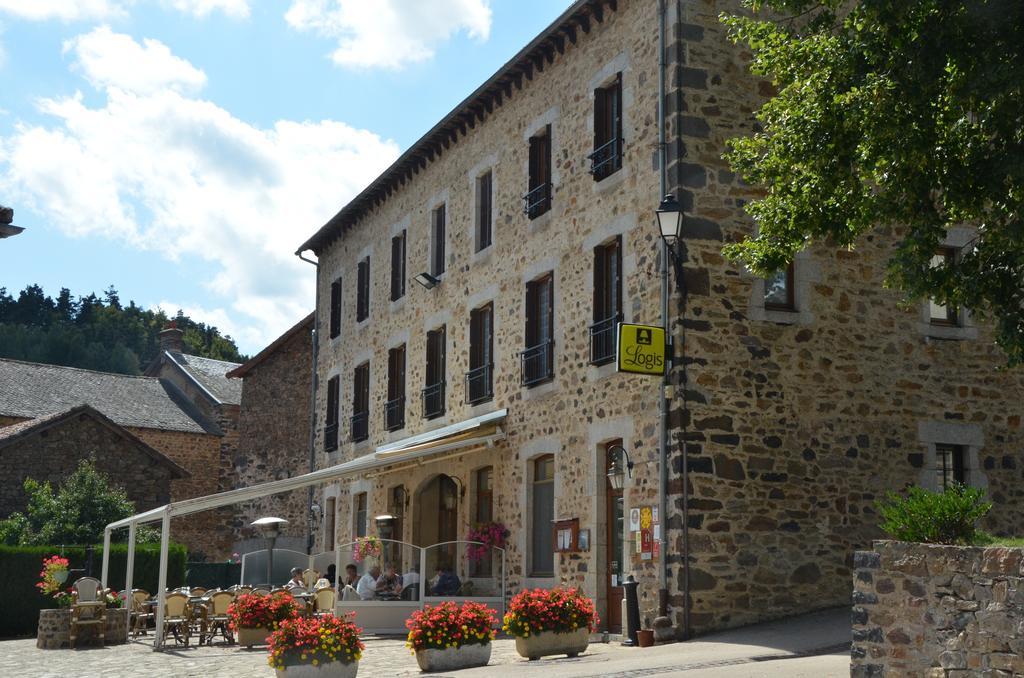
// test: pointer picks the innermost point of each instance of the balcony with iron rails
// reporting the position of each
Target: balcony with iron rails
(433, 400)
(606, 159)
(537, 200)
(538, 364)
(360, 426)
(394, 414)
(330, 437)
(602, 340)
(480, 384)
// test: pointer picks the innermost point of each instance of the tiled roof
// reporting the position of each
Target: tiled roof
(11, 434)
(33, 390)
(211, 375)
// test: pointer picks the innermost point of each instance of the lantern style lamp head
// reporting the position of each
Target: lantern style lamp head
(617, 473)
(427, 281)
(270, 527)
(670, 219)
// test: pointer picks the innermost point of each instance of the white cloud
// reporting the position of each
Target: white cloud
(176, 175)
(79, 10)
(389, 33)
(109, 59)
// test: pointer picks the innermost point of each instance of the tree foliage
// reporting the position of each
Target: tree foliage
(96, 333)
(948, 517)
(893, 113)
(75, 513)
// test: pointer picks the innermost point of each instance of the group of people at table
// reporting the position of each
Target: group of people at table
(377, 585)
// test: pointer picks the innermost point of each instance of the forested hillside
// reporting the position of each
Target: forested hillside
(97, 333)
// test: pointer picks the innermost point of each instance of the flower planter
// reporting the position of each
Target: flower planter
(326, 670)
(645, 637)
(253, 636)
(454, 658)
(547, 643)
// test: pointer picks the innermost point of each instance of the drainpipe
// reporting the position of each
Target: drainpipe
(312, 404)
(665, 390)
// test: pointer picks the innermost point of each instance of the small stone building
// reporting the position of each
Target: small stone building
(273, 436)
(48, 449)
(467, 304)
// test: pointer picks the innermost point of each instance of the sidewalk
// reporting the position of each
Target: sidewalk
(782, 648)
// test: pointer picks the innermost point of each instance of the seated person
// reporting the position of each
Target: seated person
(325, 581)
(389, 583)
(296, 580)
(351, 575)
(367, 585)
(448, 583)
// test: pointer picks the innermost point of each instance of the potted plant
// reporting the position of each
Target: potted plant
(447, 637)
(316, 646)
(367, 547)
(547, 622)
(488, 535)
(52, 578)
(254, 617)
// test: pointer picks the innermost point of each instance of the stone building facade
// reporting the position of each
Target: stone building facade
(50, 448)
(793, 418)
(273, 436)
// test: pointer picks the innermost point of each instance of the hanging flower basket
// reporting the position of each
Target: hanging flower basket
(367, 547)
(51, 580)
(489, 535)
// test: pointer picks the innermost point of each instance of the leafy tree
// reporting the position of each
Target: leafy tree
(893, 113)
(75, 514)
(94, 333)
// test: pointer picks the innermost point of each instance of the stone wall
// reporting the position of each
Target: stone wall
(923, 610)
(52, 454)
(273, 438)
(200, 454)
(54, 631)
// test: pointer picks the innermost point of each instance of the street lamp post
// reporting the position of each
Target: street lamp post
(271, 529)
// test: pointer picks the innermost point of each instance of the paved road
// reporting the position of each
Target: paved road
(774, 649)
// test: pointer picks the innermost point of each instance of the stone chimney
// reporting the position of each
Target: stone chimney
(170, 338)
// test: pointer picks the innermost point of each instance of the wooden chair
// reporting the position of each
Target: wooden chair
(140, 612)
(197, 591)
(177, 617)
(324, 601)
(217, 617)
(88, 608)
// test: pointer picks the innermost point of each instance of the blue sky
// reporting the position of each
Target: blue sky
(180, 150)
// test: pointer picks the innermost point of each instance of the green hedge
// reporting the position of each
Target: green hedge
(21, 565)
(213, 575)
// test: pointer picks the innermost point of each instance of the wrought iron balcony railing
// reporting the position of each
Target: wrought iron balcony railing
(606, 159)
(602, 340)
(480, 384)
(330, 438)
(433, 400)
(394, 414)
(538, 363)
(537, 200)
(360, 426)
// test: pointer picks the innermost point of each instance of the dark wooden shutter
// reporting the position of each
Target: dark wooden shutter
(531, 315)
(475, 338)
(616, 121)
(335, 329)
(600, 118)
(438, 254)
(332, 401)
(535, 163)
(363, 300)
(546, 159)
(600, 284)
(484, 207)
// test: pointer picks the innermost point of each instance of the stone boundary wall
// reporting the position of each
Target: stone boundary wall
(927, 610)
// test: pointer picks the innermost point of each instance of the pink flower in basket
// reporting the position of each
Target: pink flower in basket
(490, 535)
(367, 547)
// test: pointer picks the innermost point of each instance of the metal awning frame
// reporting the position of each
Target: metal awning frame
(411, 448)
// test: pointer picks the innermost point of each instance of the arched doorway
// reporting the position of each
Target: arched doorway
(437, 520)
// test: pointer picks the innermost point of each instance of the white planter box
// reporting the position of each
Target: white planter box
(454, 658)
(328, 670)
(548, 643)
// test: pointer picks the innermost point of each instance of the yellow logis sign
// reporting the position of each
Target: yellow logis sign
(641, 349)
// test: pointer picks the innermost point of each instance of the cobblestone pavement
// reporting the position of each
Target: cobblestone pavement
(775, 649)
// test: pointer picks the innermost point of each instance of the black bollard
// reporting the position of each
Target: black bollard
(632, 611)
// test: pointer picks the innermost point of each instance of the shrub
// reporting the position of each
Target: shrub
(315, 640)
(559, 610)
(21, 565)
(948, 517)
(253, 611)
(448, 625)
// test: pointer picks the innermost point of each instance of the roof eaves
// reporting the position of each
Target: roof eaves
(188, 373)
(243, 369)
(475, 106)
